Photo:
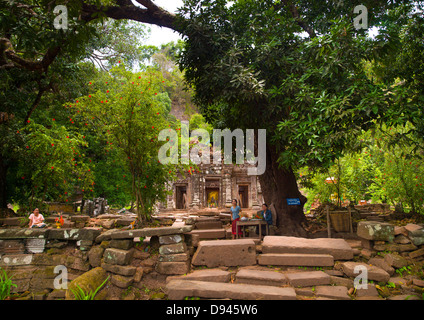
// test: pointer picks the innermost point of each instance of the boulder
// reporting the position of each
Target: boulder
(374, 230)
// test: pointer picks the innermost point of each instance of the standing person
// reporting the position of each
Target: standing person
(36, 219)
(235, 211)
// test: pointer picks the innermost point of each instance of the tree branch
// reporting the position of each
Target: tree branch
(125, 9)
(296, 16)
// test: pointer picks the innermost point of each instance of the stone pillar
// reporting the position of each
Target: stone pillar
(254, 183)
(197, 192)
(226, 182)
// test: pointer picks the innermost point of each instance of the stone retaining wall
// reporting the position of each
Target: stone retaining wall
(30, 256)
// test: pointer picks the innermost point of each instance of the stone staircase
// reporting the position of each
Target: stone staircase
(276, 273)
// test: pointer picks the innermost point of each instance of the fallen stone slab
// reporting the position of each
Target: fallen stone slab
(149, 232)
(404, 297)
(296, 259)
(308, 278)
(332, 292)
(374, 230)
(338, 248)
(210, 233)
(74, 234)
(354, 269)
(261, 277)
(179, 289)
(118, 269)
(214, 253)
(16, 233)
(209, 275)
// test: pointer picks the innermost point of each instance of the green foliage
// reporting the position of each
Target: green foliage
(128, 112)
(5, 285)
(80, 294)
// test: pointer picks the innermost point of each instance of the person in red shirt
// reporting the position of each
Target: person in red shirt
(36, 219)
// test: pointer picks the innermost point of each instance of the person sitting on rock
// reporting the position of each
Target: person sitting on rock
(36, 219)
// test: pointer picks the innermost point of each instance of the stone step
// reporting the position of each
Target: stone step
(338, 248)
(179, 289)
(228, 253)
(308, 278)
(210, 233)
(260, 277)
(296, 259)
(210, 275)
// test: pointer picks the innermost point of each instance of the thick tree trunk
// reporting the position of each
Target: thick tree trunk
(277, 185)
(3, 188)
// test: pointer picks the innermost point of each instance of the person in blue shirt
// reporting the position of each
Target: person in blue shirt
(235, 211)
(266, 215)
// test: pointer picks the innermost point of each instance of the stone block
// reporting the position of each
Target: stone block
(23, 233)
(308, 278)
(125, 244)
(374, 230)
(261, 277)
(173, 248)
(179, 257)
(395, 247)
(416, 253)
(117, 256)
(381, 263)
(173, 267)
(12, 247)
(35, 245)
(171, 239)
(296, 259)
(149, 232)
(74, 234)
(9, 260)
(332, 292)
(210, 275)
(210, 233)
(395, 260)
(353, 269)
(179, 289)
(80, 218)
(338, 248)
(121, 281)
(95, 256)
(214, 253)
(119, 269)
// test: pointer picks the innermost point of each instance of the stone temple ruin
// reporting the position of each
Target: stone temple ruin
(214, 187)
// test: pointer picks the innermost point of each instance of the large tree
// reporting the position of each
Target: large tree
(295, 68)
